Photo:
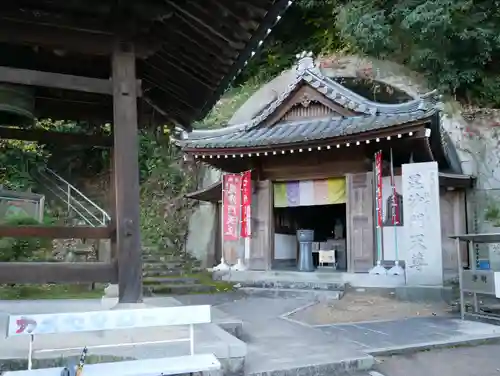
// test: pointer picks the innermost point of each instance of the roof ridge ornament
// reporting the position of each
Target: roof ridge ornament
(305, 62)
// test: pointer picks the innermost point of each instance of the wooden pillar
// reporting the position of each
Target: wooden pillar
(112, 203)
(218, 234)
(126, 174)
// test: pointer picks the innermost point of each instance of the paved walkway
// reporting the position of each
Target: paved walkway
(411, 334)
(460, 361)
(277, 343)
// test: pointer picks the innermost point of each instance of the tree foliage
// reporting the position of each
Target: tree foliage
(454, 43)
(165, 179)
(21, 249)
(19, 158)
(16, 160)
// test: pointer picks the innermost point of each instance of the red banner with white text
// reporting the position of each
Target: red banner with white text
(246, 203)
(378, 176)
(231, 206)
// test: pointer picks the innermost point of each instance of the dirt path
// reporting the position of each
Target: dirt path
(363, 306)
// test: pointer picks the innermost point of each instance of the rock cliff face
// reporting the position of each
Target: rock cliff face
(474, 132)
(200, 241)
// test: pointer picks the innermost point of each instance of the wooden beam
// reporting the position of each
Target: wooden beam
(57, 232)
(56, 80)
(126, 175)
(208, 14)
(60, 109)
(58, 272)
(49, 137)
(211, 29)
(81, 41)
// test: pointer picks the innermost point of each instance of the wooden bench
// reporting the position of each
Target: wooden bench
(95, 321)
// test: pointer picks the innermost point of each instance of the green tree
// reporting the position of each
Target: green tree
(454, 43)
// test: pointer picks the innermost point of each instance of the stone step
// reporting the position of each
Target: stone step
(321, 295)
(295, 285)
(161, 265)
(161, 258)
(150, 249)
(164, 289)
(166, 280)
(162, 273)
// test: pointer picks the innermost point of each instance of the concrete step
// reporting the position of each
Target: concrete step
(173, 289)
(167, 280)
(230, 324)
(294, 285)
(293, 293)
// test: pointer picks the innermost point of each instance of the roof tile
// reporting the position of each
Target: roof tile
(304, 130)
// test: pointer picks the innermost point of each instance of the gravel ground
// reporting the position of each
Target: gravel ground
(358, 307)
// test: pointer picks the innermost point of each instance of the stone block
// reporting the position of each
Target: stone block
(421, 243)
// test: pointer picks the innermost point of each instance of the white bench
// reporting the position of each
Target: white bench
(94, 321)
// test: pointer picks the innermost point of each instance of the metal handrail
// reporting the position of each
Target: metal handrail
(69, 197)
(82, 216)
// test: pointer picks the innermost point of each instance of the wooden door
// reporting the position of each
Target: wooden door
(261, 247)
(360, 213)
(452, 210)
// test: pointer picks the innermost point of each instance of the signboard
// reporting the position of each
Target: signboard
(20, 204)
(231, 206)
(54, 323)
(246, 203)
(422, 224)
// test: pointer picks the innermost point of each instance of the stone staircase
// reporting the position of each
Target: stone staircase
(165, 274)
(293, 289)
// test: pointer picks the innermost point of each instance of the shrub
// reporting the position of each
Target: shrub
(21, 249)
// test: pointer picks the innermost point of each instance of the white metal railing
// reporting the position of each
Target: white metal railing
(87, 210)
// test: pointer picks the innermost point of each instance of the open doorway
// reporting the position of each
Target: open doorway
(329, 225)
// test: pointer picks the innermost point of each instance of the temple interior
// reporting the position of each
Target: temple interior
(329, 225)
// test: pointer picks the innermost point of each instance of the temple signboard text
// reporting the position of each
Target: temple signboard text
(422, 229)
(246, 202)
(231, 202)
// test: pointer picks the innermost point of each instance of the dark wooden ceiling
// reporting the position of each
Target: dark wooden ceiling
(189, 50)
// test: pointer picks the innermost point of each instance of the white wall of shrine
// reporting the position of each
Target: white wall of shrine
(202, 227)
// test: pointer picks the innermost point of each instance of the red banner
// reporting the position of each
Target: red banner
(246, 202)
(231, 205)
(378, 174)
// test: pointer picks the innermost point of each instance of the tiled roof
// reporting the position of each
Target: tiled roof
(345, 98)
(370, 116)
(288, 132)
